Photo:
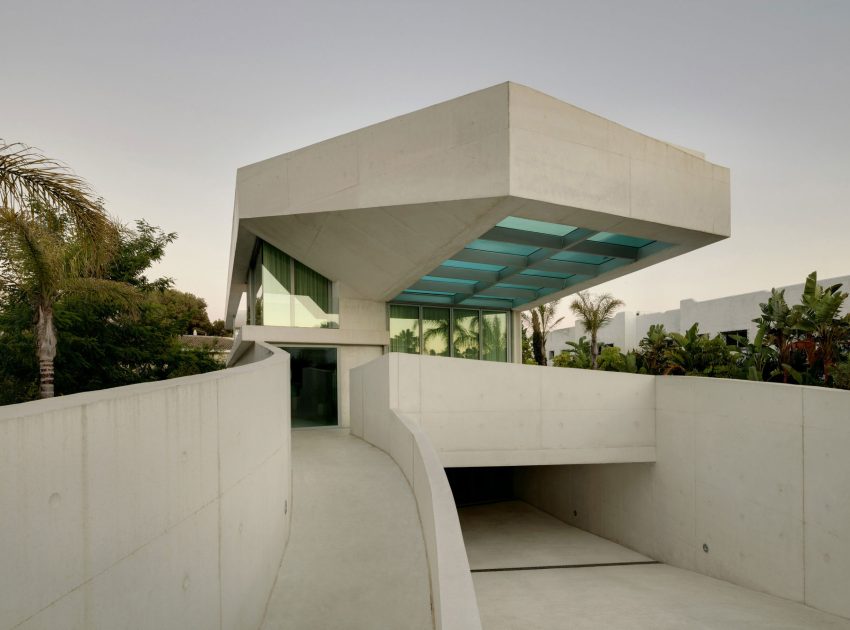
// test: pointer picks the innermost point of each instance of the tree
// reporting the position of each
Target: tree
(577, 354)
(593, 313)
(778, 330)
(825, 332)
(102, 341)
(55, 239)
(541, 320)
(653, 349)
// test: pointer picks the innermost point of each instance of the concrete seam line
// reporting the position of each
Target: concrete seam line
(119, 561)
(567, 566)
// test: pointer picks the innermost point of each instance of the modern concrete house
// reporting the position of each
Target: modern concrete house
(430, 232)
(730, 315)
(436, 482)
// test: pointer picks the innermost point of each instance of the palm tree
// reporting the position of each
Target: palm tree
(541, 320)
(594, 312)
(55, 238)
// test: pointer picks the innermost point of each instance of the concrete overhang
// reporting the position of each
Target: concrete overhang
(383, 208)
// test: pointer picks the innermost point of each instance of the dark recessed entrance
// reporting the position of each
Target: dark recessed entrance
(313, 387)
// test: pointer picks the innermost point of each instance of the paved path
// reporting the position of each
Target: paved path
(635, 596)
(356, 556)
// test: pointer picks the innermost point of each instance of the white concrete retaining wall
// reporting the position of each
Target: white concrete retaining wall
(160, 506)
(481, 413)
(758, 472)
(375, 419)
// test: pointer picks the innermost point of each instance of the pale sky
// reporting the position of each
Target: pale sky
(157, 103)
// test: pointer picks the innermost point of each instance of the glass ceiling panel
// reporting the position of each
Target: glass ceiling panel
(427, 292)
(454, 280)
(502, 248)
(460, 264)
(547, 274)
(591, 259)
(467, 286)
(541, 227)
(524, 287)
(619, 239)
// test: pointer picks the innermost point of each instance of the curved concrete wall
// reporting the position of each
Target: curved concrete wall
(163, 505)
(757, 472)
(373, 419)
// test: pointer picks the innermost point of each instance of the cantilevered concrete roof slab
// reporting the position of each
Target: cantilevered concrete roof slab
(504, 197)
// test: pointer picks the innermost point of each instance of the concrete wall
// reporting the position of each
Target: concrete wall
(757, 472)
(163, 505)
(481, 413)
(373, 415)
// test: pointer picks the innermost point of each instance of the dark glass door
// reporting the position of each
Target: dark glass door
(313, 386)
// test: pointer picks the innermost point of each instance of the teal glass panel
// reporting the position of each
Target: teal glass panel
(435, 331)
(489, 302)
(417, 292)
(461, 264)
(404, 328)
(502, 248)
(578, 257)
(465, 336)
(494, 336)
(541, 227)
(546, 274)
(524, 287)
(454, 280)
(619, 239)
(425, 298)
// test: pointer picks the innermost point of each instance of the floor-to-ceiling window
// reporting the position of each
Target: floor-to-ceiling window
(285, 292)
(446, 331)
(436, 328)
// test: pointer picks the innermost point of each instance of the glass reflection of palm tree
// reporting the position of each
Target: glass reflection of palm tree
(494, 338)
(405, 341)
(435, 333)
(466, 336)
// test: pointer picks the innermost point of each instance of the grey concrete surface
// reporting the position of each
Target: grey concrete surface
(516, 534)
(356, 555)
(650, 597)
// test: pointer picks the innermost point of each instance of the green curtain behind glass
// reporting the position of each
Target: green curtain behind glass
(277, 263)
(494, 335)
(313, 285)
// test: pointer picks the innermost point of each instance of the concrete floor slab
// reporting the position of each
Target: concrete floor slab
(356, 557)
(636, 597)
(641, 597)
(515, 534)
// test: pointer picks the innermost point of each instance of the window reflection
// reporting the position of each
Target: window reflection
(404, 329)
(465, 338)
(435, 331)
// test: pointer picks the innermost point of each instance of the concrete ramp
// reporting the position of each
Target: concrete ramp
(356, 555)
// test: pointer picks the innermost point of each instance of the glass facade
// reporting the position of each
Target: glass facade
(404, 329)
(435, 331)
(284, 292)
(494, 338)
(465, 336)
(443, 332)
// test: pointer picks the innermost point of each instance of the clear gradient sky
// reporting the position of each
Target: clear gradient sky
(157, 102)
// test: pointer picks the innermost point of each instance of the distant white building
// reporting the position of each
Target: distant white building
(732, 314)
